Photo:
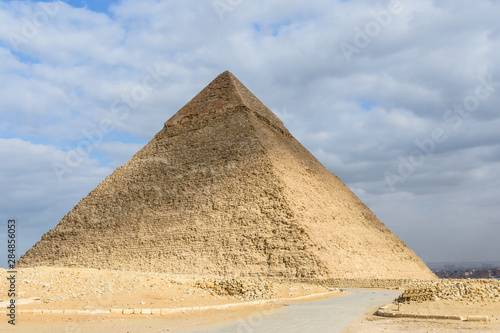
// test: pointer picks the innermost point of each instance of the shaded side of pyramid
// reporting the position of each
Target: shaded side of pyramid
(225, 189)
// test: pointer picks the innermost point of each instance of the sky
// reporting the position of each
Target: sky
(399, 99)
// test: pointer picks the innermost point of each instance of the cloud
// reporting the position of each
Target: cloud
(359, 117)
(31, 191)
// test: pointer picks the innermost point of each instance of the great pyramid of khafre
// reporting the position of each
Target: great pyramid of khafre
(225, 189)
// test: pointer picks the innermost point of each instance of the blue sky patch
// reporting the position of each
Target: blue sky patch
(256, 27)
(99, 6)
(125, 138)
(276, 27)
(93, 5)
(366, 105)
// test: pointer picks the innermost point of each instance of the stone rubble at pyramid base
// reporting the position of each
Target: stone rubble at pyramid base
(88, 288)
(470, 290)
(62, 288)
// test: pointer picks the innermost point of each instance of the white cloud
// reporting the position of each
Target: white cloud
(31, 191)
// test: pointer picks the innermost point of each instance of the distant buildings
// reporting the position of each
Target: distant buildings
(450, 272)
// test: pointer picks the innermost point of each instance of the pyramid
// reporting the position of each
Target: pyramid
(225, 189)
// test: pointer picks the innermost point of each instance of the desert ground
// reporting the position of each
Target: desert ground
(93, 293)
(83, 300)
(470, 299)
(373, 323)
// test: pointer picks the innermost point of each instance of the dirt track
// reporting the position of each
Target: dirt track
(323, 316)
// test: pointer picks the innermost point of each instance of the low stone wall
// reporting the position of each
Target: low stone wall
(166, 311)
(384, 312)
(462, 290)
(362, 283)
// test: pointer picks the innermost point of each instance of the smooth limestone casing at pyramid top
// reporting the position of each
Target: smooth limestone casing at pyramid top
(225, 189)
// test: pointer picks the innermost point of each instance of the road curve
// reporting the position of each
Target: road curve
(323, 316)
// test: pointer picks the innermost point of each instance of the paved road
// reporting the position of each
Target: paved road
(324, 316)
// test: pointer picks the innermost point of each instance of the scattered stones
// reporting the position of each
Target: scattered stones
(238, 287)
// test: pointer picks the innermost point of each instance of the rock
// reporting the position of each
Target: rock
(472, 290)
(238, 287)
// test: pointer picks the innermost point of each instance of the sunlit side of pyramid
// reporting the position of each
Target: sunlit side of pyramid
(225, 189)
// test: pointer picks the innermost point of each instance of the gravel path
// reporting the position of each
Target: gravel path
(328, 315)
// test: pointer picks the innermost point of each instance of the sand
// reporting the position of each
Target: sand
(372, 323)
(44, 288)
(93, 289)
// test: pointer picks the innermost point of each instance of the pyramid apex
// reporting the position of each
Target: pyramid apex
(224, 76)
(225, 93)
